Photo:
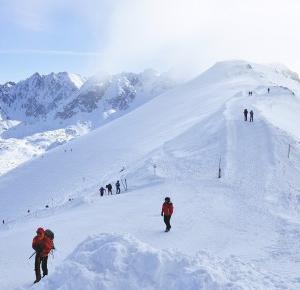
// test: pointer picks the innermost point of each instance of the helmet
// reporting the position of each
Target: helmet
(40, 231)
(167, 199)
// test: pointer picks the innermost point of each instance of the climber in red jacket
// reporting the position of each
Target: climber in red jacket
(166, 212)
(42, 246)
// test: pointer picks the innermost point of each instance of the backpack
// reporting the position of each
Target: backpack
(49, 234)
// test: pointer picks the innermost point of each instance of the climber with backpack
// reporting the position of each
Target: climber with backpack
(42, 244)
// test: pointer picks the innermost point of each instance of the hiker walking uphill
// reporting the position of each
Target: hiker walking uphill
(166, 212)
(42, 244)
(251, 116)
(102, 190)
(109, 188)
(118, 190)
(245, 114)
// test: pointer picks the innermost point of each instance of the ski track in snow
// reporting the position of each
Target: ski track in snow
(249, 164)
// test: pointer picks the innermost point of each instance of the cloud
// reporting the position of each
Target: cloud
(40, 15)
(189, 35)
(193, 34)
(49, 52)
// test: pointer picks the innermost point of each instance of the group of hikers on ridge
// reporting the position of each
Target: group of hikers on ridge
(250, 93)
(108, 187)
(246, 115)
(43, 244)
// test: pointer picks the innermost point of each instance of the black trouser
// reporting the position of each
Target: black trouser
(37, 266)
(118, 190)
(44, 265)
(245, 115)
(251, 118)
(167, 221)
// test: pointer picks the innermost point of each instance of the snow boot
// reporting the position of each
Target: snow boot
(36, 281)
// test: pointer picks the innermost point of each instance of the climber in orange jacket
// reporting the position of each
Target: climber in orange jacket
(42, 246)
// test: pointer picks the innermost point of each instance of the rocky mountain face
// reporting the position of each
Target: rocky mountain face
(116, 93)
(62, 96)
(43, 112)
(37, 96)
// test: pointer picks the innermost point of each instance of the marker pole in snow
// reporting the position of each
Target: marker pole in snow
(219, 173)
(154, 169)
(289, 151)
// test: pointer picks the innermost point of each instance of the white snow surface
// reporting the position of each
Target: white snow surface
(113, 261)
(246, 224)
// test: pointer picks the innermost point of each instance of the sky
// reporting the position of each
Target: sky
(182, 36)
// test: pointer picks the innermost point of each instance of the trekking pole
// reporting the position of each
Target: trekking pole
(31, 256)
(52, 253)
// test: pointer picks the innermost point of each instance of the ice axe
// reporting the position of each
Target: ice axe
(31, 256)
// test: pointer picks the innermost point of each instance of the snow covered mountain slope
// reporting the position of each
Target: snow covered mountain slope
(110, 95)
(43, 112)
(172, 146)
(57, 100)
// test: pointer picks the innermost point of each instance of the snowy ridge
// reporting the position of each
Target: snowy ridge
(172, 145)
(112, 261)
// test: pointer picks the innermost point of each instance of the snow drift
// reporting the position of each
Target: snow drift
(112, 261)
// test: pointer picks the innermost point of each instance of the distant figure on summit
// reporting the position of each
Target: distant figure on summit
(245, 114)
(268, 90)
(166, 212)
(251, 116)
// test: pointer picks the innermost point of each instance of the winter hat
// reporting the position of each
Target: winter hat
(167, 199)
(40, 231)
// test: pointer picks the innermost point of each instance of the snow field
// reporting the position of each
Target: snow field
(248, 213)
